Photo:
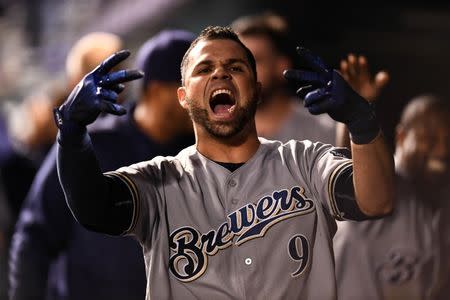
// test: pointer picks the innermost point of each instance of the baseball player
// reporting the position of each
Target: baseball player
(405, 255)
(233, 216)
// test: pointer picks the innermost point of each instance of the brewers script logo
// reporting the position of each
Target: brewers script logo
(190, 248)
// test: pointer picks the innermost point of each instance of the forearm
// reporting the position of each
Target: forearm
(373, 177)
(342, 135)
(80, 176)
(97, 202)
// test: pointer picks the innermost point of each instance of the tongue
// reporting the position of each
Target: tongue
(222, 108)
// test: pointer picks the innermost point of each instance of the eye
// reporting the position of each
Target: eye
(236, 68)
(203, 70)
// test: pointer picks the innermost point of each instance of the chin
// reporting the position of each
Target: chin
(223, 131)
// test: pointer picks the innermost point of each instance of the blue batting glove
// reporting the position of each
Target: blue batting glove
(327, 92)
(96, 92)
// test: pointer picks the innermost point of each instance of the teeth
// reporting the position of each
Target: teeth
(221, 91)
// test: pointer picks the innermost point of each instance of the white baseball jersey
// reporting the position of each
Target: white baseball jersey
(263, 231)
(402, 256)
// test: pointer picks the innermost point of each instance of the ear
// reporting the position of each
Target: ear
(181, 93)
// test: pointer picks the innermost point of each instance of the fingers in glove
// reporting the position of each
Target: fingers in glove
(112, 108)
(111, 62)
(120, 77)
(320, 107)
(313, 61)
(318, 101)
(118, 88)
(305, 77)
(304, 90)
(108, 95)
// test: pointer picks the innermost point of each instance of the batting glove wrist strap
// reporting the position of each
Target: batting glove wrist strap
(70, 134)
(364, 130)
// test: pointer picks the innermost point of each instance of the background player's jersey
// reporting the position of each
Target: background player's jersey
(263, 231)
(402, 256)
(320, 128)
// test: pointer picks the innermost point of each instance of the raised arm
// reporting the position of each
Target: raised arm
(325, 91)
(355, 70)
(98, 202)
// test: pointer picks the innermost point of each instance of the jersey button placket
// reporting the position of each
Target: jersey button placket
(232, 183)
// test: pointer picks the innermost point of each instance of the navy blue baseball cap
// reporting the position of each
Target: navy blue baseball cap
(160, 57)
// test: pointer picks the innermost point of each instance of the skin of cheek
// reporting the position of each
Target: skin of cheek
(412, 155)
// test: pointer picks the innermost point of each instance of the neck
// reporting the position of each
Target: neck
(236, 149)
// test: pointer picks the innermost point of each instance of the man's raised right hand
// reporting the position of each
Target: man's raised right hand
(96, 92)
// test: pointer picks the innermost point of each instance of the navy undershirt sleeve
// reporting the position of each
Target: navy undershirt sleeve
(98, 202)
(344, 194)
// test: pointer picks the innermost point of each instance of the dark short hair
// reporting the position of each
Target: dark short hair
(269, 25)
(274, 29)
(217, 33)
(422, 105)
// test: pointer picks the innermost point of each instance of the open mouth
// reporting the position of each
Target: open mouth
(222, 102)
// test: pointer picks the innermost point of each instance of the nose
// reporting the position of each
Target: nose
(221, 73)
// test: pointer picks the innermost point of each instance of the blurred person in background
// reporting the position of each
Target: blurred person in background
(280, 114)
(405, 255)
(16, 175)
(46, 260)
(32, 127)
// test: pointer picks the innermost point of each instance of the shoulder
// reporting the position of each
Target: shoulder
(182, 161)
(296, 146)
(289, 152)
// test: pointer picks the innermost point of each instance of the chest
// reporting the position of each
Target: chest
(251, 220)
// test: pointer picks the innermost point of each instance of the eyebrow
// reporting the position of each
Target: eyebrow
(235, 60)
(229, 61)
